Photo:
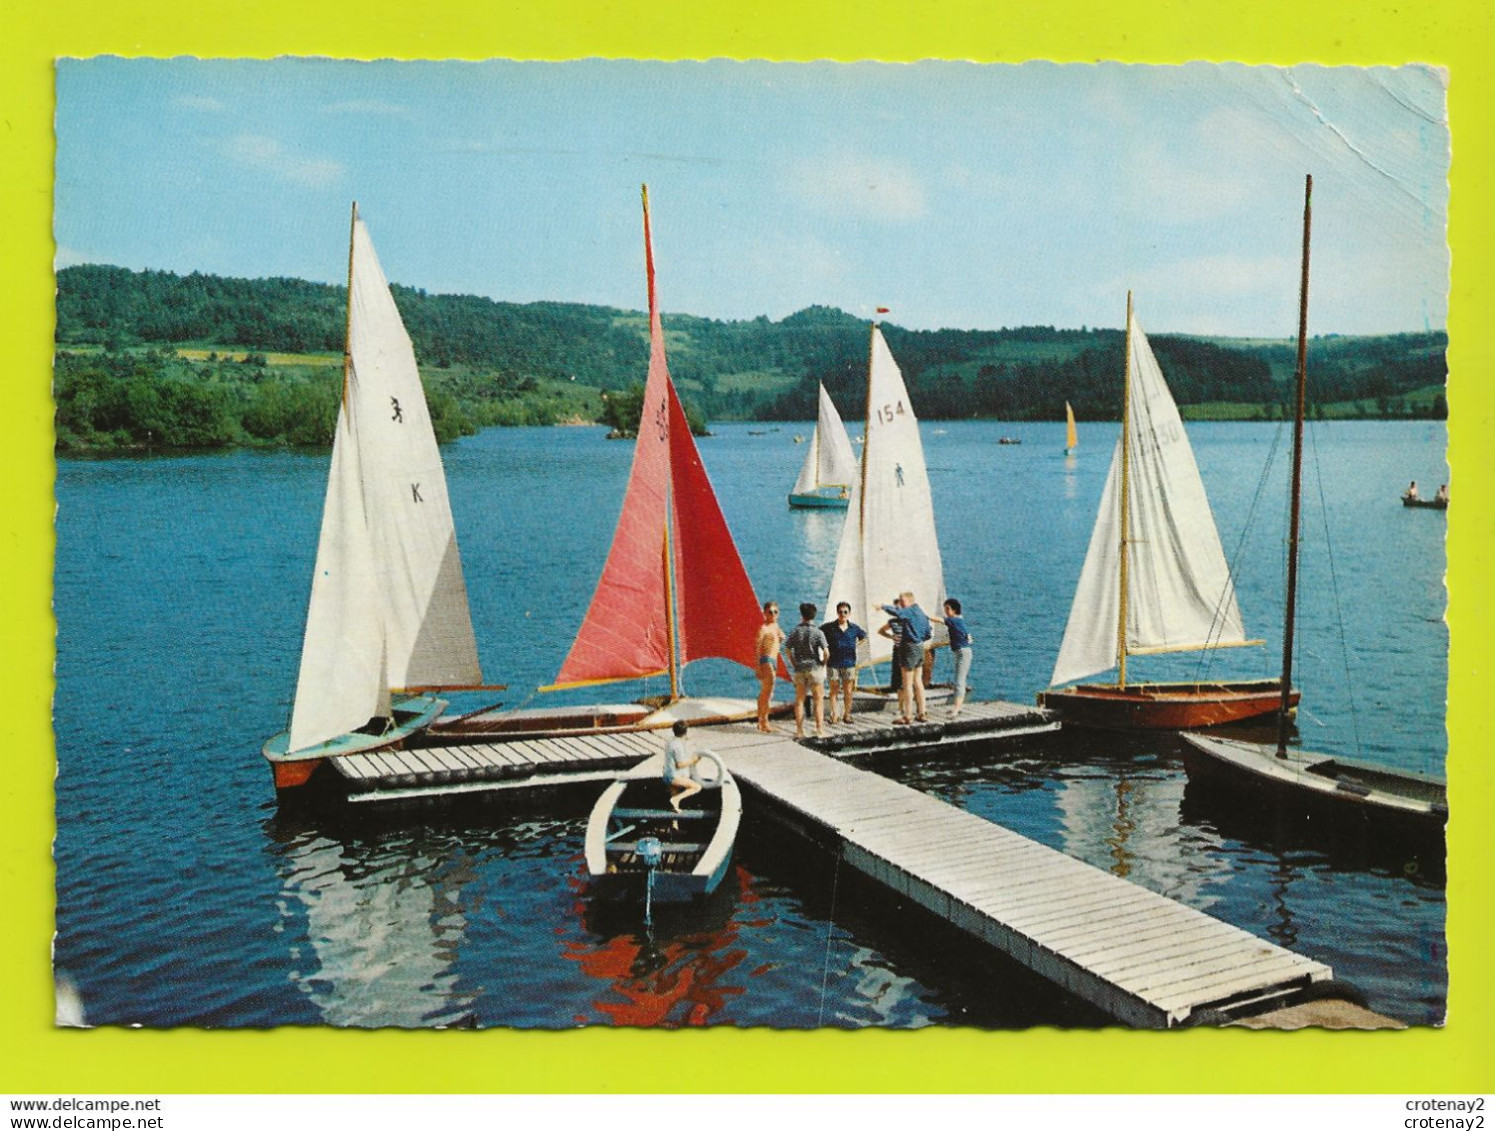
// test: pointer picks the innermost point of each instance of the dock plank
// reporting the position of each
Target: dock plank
(1141, 956)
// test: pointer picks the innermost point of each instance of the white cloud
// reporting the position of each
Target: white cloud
(267, 155)
(850, 185)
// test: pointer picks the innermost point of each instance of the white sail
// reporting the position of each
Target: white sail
(388, 606)
(809, 471)
(889, 544)
(830, 462)
(1180, 594)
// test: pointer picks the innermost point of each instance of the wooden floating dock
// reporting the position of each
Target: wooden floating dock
(1139, 956)
(1142, 958)
(527, 763)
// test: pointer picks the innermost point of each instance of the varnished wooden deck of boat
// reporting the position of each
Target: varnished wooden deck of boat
(1143, 958)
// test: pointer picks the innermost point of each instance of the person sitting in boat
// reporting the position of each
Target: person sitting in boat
(766, 646)
(1442, 495)
(842, 636)
(808, 653)
(910, 628)
(1411, 492)
(678, 761)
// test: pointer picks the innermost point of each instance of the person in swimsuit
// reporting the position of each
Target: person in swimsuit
(770, 637)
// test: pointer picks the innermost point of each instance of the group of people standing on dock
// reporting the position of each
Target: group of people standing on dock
(828, 654)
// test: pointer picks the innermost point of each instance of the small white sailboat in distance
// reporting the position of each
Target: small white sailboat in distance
(388, 624)
(830, 465)
(889, 544)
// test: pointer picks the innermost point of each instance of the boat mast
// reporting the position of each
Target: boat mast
(1283, 721)
(348, 322)
(1126, 448)
(672, 627)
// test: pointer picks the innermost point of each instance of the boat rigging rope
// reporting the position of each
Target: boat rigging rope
(830, 928)
(1344, 647)
(1207, 655)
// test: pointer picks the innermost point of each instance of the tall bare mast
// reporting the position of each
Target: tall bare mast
(1126, 490)
(1283, 720)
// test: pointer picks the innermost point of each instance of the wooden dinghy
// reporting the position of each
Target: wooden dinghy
(1314, 783)
(1431, 504)
(638, 847)
(1342, 789)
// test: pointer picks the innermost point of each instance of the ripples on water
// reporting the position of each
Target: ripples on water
(184, 898)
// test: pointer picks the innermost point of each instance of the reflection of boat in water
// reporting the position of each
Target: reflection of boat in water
(1154, 579)
(383, 931)
(388, 607)
(830, 465)
(680, 972)
(639, 847)
(673, 588)
(1395, 802)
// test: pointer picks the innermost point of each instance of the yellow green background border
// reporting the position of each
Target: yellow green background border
(35, 1057)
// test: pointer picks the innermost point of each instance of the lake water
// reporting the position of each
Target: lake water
(184, 898)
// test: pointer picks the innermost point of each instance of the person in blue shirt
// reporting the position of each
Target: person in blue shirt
(910, 631)
(960, 651)
(842, 637)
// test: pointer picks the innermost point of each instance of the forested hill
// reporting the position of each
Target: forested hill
(268, 348)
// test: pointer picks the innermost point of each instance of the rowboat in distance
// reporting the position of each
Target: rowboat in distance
(1437, 504)
(638, 847)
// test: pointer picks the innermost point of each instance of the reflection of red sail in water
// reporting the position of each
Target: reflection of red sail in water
(673, 983)
(674, 588)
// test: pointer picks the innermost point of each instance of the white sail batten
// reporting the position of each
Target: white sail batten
(1180, 592)
(889, 544)
(389, 605)
(830, 462)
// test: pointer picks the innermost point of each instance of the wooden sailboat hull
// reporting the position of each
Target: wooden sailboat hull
(834, 498)
(697, 844)
(1340, 790)
(291, 770)
(1165, 706)
(594, 719)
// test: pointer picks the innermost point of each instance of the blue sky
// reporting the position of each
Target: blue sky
(971, 196)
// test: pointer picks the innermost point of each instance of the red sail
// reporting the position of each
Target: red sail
(626, 632)
(719, 616)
